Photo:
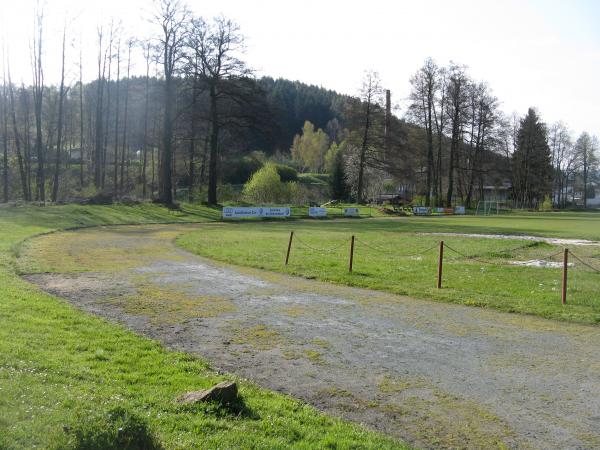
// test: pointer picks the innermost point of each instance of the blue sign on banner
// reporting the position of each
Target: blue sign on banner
(232, 212)
(421, 210)
(317, 212)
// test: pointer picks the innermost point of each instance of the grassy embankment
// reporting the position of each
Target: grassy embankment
(390, 255)
(61, 369)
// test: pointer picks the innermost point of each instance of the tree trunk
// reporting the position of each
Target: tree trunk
(124, 138)
(61, 101)
(192, 148)
(27, 146)
(166, 171)
(105, 137)
(116, 191)
(204, 155)
(80, 122)
(214, 142)
(17, 136)
(363, 155)
(5, 141)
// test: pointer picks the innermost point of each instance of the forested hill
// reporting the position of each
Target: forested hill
(292, 103)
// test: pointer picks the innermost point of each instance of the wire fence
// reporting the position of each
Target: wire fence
(386, 258)
(324, 250)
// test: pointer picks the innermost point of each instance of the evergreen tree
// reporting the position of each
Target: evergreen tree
(532, 169)
(339, 188)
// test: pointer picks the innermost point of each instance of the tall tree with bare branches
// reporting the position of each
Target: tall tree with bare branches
(215, 60)
(371, 97)
(59, 137)
(171, 16)
(424, 86)
(38, 98)
(4, 132)
(458, 83)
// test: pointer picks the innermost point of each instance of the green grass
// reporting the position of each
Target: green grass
(315, 179)
(576, 225)
(59, 366)
(383, 258)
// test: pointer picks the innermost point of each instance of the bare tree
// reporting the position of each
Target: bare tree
(440, 119)
(559, 139)
(61, 101)
(108, 56)
(38, 97)
(215, 59)
(147, 49)
(81, 119)
(125, 111)
(483, 114)
(570, 167)
(457, 103)
(4, 129)
(116, 143)
(585, 149)
(98, 159)
(371, 99)
(424, 86)
(171, 16)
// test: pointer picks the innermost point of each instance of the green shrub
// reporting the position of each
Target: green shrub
(418, 200)
(266, 187)
(240, 170)
(546, 204)
(229, 193)
(286, 173)
(115, 429)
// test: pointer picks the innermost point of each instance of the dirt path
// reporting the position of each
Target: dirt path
(436, 375)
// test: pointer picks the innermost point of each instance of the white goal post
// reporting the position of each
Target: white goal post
(491, 207)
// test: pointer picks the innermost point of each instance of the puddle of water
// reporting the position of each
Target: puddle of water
(541, 263)
(555, 241)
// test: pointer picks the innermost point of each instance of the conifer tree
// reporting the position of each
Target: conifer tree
(532, 169)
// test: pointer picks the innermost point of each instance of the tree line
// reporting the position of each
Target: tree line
(464, 129)
(198, 119)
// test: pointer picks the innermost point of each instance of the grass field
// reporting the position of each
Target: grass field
(66, 376)
(392, 255)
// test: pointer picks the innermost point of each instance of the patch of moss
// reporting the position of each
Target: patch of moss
(260, 337)
(169, 306)
(433, 417)
(314, 356)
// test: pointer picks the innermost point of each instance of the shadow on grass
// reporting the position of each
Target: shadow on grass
(236, 409)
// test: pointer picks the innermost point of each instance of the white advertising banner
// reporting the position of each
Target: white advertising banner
(459, 210)
(317, 212)
(351, 212)
(233, 212)
(421, 210)
(275, 212)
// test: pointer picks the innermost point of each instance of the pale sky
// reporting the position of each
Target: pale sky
(537, 53)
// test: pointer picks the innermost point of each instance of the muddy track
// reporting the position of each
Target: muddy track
(433, 374)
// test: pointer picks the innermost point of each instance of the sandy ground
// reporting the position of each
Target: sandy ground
(433, 374)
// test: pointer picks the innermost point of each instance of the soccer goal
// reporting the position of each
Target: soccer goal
(491, 207)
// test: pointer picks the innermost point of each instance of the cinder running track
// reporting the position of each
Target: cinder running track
(436, 375)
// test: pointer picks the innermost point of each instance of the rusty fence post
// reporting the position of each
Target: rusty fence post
(287, 256)
(564, 279)
(440, 265)
(351, 253)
